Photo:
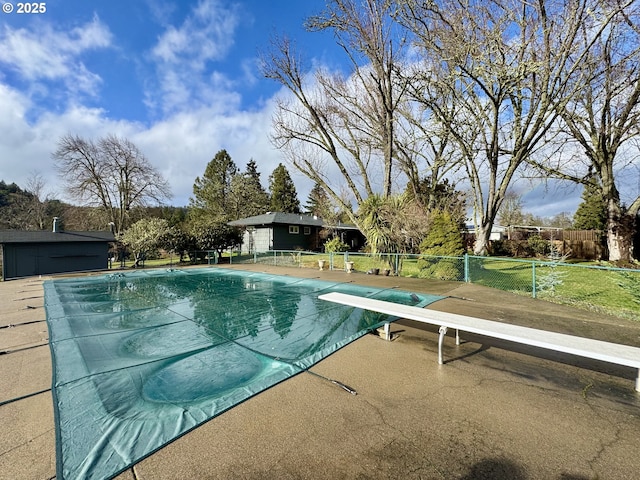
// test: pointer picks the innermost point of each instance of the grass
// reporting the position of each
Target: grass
(615, 291)
(611, 291)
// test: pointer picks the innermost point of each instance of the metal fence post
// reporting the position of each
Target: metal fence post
(466, 268)
(533, 275)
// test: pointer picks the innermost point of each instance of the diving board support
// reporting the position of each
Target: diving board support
(442, 331)
(615, 353)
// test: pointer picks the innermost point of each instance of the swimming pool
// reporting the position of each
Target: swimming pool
(141, 358)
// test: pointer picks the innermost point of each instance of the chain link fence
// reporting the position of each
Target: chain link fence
(614, 291)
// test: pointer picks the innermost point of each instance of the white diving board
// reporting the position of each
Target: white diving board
(580, 346)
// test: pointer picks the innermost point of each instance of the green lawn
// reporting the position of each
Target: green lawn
(616, 292)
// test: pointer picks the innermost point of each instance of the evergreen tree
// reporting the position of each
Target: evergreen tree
(444, 237)
(211, 193)
(319, 203)
(247, 193)
(592, 211)
(17, 208)
(439, 196)
(440, 247)
(283, 192)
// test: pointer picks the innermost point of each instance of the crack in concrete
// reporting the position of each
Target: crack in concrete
(26, 442)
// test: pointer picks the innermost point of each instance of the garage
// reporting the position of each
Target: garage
(28, 253)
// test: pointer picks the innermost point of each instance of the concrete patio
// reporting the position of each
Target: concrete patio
(493, 410)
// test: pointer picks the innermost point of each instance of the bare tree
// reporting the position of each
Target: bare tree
(330, 121)
(504, 67)
(425, 147)
(511, 210)
(603, 121)
(38, 208)
(112, 174)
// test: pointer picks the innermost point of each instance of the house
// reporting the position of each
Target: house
(292, 231)
(27, 253)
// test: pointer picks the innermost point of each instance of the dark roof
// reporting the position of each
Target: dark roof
(272, 218)
(279, 218)
(24, 236)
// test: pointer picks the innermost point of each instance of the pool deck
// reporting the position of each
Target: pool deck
(491, 411)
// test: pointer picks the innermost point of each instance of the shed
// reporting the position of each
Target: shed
(291, 231)
(27, 253)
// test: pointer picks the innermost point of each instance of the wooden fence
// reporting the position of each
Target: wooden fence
(582, 235)
(587, 244)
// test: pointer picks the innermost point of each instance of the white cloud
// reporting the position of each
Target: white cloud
(184, 56)
(205, 35)
(182, 145)
(179, 146)
(26, 146)
(45, 54)
(201, 106)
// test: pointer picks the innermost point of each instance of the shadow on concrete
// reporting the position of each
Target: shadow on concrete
(617, 382)
(504, 469)
(495, 469)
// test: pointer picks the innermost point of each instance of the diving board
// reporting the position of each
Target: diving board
(615, 353)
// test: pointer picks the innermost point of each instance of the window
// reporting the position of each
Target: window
(307, 230)
(295, 229)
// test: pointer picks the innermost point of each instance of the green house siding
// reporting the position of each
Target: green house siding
(283, 239)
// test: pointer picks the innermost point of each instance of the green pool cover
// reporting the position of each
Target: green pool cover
(140, 359)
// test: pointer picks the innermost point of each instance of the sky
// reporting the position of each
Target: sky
(181, 80)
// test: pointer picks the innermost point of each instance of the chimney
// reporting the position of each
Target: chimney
(55, 224)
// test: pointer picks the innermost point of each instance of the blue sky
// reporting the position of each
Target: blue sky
(179, 79)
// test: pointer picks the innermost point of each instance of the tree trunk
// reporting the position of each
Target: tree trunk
(620, 228)
(481, 245)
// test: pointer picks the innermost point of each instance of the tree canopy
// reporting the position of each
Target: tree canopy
(211, 201)
(111, 173)
(480, 96)
(144, 236)
(592, 211)
(248, 196)
(283, 191)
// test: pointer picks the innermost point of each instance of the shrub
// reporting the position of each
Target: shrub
(444, 239)
(441, 268)
(538, 245)
(335, 245)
